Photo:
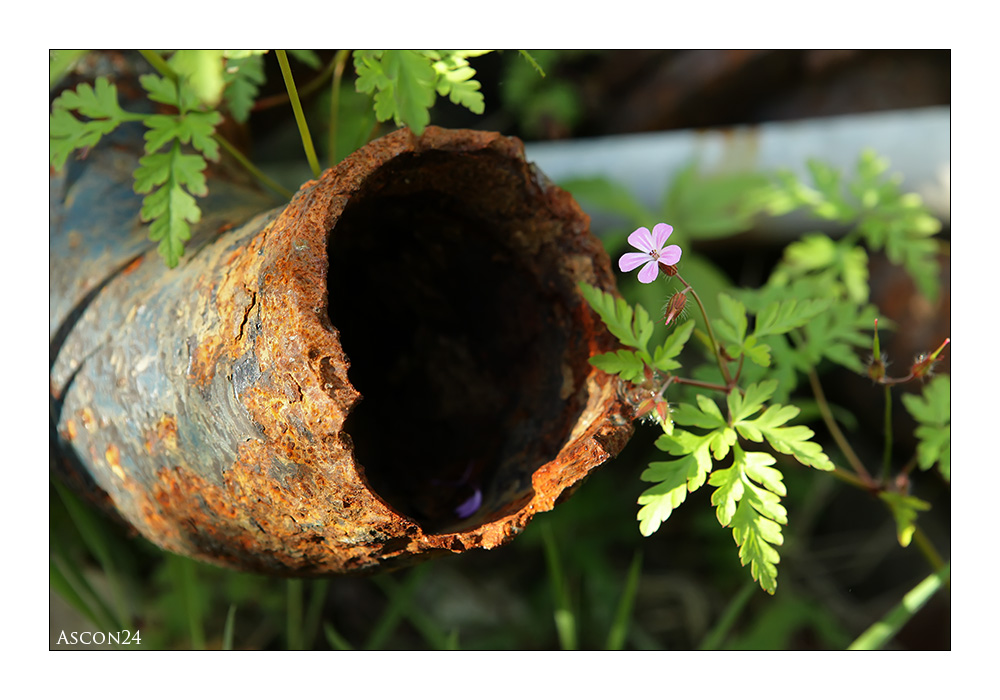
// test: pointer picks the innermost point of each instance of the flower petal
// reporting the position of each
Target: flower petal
(648, 273)
(671, 254)
(630, 261)
(661, 232)
(641, 239)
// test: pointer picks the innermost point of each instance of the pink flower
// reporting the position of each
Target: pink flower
(654, 252)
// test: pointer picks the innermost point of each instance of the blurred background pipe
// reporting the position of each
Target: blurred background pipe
(394, 366)
(917, 143)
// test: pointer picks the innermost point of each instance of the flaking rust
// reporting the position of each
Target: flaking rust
(392, 367)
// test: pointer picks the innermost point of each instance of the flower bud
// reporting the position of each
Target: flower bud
(674, 307)
(668, 270)
(924, 364)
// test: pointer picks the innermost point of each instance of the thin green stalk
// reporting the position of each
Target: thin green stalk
(708, 326)
(185, 580)
(563, 611)
(336, 640)
(887, 429)
(293, 617)
(879, 634)
(300, 117)
(399, 601)
(253, 169)
(95, 538)
(927, 548)
(161, 66)
(838, 436)
(339, 62)
(713, 640)
(227, 630)
(619, 627)
(314, 613)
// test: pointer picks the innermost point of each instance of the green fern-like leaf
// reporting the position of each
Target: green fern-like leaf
(932, 409)
(904, 510)
(99, 104)
(632, 328)
(244, 76)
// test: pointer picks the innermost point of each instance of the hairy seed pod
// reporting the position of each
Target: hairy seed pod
(393, 366)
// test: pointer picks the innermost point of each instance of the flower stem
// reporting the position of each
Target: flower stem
(300, 117)
(838, 436)
(699, 383)
(161, 66)
(254, 170)
(887, 429)
(708, 325)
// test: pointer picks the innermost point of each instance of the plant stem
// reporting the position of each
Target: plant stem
(254, 170)
(927, 548)
(300, 117)
(838, 436)
(339, 61)
(161, 66)
(699, 383)
(708, 325)
(887, 452)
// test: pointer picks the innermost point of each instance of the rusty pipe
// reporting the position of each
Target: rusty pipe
(392, 367)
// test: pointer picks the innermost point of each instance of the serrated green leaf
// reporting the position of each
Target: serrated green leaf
(782, 317)
(790, 440)
(733, 327)
(755, 536)
(631, 328)
(196, 128)
(759, 353)
(67, 133)
(674, 479)
(624, 363)
(454, 79)
(163, 90)
(904, 510)
(243, 76)
(170, 208)
(670, 348)
(932, 410)
(306, 56)
(403, 82)
(742, 406)
(728, 492)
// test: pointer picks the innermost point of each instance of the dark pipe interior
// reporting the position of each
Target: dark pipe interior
(456, 345)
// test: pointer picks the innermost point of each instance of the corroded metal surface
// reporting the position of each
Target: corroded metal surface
(219, 405)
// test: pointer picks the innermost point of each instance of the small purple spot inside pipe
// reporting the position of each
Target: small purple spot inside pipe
(470, 505)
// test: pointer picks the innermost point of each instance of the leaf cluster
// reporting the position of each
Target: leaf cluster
(634, 328)
(748, 492)
(874, 204)
(405, 82)
(932, 410)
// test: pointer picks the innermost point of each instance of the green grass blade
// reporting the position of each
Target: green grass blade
(435, 637)
(300, 117)
(73, 586)
(876, 636)
(185, 582)
(293, 615)
(623, 615)
(335, 639)
(713, 640)
(95, 537)
(227, 630)
(563, 613)
(314, 613)
(399, 600)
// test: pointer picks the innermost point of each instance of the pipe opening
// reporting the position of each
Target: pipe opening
(460, 344)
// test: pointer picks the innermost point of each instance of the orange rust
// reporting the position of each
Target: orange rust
(113, 456)
(87, 419)
(133, 266)
(71, 429)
